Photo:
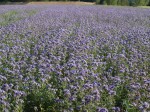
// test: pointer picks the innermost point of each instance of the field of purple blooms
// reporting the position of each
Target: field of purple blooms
(71, 58)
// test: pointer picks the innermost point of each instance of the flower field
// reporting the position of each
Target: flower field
(72, 58)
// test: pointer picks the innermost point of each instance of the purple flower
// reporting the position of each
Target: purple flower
(116, 109)
(5, 87)
(146, 105)
(101, 109)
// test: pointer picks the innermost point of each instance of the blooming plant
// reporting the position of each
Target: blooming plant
(67, 58)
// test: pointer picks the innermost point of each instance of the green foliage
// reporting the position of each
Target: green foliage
(13, 16)
(122, 94)
(122, 99)
(114, 2)
(108, 2)
(39, 100)
(31, 12)
(8, 17)
(139, 2)
(142, 2)
(45, 98)
(102, 2)
(98, 2)
(124, 2)
(132, 3)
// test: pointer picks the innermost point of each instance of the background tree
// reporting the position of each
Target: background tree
(123, 2)
(108, 2)
(149, 3)
(114, 2)
(102, 2)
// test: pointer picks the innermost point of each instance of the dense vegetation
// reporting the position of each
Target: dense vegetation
(124, 2)
(71, 58)
(108, 2)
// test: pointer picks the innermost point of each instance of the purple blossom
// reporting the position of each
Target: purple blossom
(75, 57)
(102, 110)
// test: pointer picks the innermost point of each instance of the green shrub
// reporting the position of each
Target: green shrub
(39, 100)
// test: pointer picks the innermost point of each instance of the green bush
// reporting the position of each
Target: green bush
(123, 2)
(114, 2)
(39, 100)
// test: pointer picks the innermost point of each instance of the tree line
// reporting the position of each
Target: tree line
(102, 2)
(124, 2)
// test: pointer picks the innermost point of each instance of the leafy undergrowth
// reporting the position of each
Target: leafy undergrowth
(14, 16)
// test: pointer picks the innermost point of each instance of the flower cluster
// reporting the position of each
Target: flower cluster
(67, 58)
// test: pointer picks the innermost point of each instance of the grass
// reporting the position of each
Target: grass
(31, 12)
(8, 17)
(13, 16)
(144, 6)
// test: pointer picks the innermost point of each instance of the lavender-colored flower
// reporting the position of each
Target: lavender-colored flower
(112, 92)
(5, 87)
(146, 105)
(116, 109)
(67, 92)
(77, 56)
(101, 110)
